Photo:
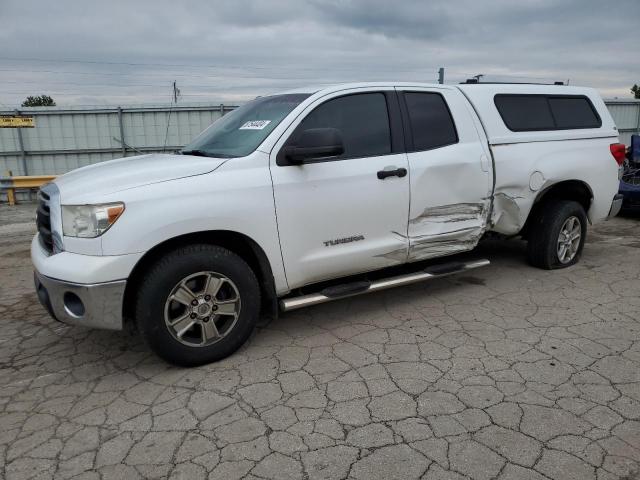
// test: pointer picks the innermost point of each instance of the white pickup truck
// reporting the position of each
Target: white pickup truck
(309, 196)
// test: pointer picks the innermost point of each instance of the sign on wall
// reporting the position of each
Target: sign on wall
(16, 121)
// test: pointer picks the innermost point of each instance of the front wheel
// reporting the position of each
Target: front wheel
(197, 304)
(557, 235)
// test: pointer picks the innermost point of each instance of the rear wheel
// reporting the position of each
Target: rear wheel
(557, 234)
(197, 304)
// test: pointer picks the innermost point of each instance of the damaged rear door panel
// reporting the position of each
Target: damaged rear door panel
(451, 174)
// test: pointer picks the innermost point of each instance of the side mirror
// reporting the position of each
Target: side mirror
(315, 143)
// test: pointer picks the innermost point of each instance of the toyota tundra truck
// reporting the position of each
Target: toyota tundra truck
(317, 194)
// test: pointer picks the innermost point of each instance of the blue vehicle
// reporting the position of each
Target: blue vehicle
(630, 181)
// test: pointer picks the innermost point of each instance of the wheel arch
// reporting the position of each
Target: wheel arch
(576, 190)
(242, 245)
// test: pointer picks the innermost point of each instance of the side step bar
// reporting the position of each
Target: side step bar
(361, 287)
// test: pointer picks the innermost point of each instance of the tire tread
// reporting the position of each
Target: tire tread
(158, 272)
(544, 229)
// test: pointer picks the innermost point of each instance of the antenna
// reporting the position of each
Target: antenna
(175, 93)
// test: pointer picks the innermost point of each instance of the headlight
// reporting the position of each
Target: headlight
(89, 221)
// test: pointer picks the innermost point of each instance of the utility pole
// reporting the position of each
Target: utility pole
(176, 92)
(441, 75)
(174, 97)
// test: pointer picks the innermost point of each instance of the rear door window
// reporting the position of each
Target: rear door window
(430, 121)
(522, 113)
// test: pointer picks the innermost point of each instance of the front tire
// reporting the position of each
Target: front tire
(197, 304)
(557, 235)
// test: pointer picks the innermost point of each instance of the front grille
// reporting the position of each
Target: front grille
(43, 221)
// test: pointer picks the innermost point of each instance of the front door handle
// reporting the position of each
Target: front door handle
(398, 172)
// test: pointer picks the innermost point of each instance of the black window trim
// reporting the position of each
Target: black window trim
(547, 96)
(406, 121)
(395, 129)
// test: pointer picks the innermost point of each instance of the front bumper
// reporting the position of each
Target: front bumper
(93, 290)
(96, 305)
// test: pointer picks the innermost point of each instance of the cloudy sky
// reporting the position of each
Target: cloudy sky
(90, 52)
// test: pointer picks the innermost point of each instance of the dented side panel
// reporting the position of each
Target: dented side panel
(450, 190)
(447, 229)
(524, 171)
(507, 215)
(457, 212)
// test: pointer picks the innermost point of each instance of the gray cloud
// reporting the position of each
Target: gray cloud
(420, 20)
(234, 50)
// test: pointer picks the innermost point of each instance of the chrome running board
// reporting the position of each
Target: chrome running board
(362, 287)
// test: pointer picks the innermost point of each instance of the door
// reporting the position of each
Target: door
(451, 176)
(338, 215)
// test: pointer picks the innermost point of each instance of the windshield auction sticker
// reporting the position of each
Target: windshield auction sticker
(255, 125)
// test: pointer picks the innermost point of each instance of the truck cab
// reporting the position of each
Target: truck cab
(294, 199)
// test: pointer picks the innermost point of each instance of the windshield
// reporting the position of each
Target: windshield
(240, 132)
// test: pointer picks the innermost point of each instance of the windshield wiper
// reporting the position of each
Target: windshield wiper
(196, 153)
(202, 153)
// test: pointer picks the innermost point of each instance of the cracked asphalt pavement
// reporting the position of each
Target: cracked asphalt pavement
(505, 372)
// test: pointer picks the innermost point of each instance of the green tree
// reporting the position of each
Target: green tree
(39, 101)
(636, 91)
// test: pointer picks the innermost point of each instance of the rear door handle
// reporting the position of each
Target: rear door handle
(398, 172)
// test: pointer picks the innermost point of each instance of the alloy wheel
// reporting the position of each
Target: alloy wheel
(202, 309)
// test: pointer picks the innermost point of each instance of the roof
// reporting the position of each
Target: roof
(477, 88)
(329, 88)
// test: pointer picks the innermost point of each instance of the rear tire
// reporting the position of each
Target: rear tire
(178, 299)
(553, 241)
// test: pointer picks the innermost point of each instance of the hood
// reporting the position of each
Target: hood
(130, 172)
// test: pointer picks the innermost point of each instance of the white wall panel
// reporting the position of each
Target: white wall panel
(67, 138)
